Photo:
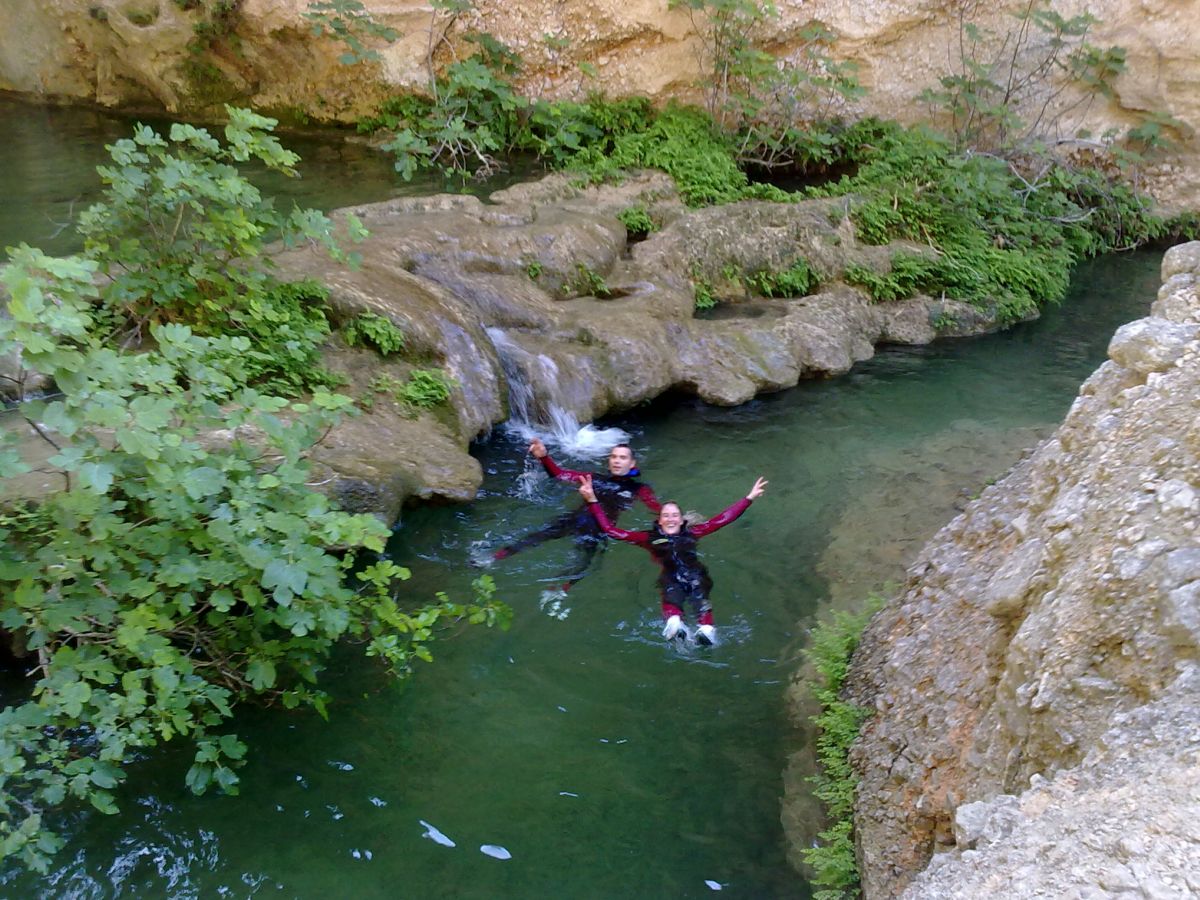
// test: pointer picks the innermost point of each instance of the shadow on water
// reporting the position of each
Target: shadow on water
(605, 763)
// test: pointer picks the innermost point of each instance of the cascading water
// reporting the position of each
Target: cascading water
(538, 407)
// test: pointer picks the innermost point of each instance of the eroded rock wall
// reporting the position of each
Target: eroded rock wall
(136, 53)
(1034, 684)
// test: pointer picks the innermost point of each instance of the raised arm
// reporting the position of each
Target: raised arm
(721, 519)
(641, 538)
(645, 493)
(553, 469)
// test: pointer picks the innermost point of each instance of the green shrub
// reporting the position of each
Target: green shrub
(424, 389)
(166, 579)
(181, 235)
(795, 281)
(371, 330)
(427, 388)
(1005, 238)
(285, 324)
(637, 221)
(586, 282)
(705, 299)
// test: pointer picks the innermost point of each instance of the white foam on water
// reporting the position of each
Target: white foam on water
(436, 836)
(538, 408)
(494, 851)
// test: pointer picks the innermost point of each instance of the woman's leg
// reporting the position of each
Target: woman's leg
(672, 610)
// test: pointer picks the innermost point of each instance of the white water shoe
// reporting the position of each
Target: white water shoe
(675, 629)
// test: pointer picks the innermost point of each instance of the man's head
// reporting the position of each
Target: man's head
(670, 518)
(620, 459)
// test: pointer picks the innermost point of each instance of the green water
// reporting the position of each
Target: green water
(48, 171)
(607, 764)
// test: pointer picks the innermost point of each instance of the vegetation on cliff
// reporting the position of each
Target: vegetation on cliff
(832, 643)
(182, 563)
(999, 214)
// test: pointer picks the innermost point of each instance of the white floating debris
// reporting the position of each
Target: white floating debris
(623, 741)
(566, 794)
(436, 836)
(356, 854)
(715, 885)
(495, 852)
(375, 801)
(278, 807)
(604, 740)
(341, 766)
(510, 659)
(367, 854)
(562, 709)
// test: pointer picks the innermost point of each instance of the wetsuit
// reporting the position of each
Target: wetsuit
(683, 578)
(616, 493)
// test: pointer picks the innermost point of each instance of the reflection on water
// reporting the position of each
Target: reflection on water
(600, 761)
(50, 156)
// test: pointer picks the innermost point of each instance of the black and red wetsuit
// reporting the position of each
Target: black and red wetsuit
(615, 493)
(683, 578)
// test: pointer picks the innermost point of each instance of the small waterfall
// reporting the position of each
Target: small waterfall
(537, 407)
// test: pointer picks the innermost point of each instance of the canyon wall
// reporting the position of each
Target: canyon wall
(1034, 686)
(148, 54)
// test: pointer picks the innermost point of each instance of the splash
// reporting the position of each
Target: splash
(539, 406)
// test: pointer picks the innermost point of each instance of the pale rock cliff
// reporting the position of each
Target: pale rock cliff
(135, 53)
(1035, 685)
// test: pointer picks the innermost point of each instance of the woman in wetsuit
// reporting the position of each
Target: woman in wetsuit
(672, 543)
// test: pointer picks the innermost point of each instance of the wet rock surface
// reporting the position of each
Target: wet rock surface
(545, 271)
(1034, 685)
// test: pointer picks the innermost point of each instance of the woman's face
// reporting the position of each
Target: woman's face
(670, 519)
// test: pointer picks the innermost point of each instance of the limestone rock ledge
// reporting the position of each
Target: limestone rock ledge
(541, 286)
(1035, 684)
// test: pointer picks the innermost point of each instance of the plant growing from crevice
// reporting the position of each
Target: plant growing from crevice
(838, 724)
(587, 282)
(637, 222)
(534, 269)
(795, 281)
(425, 389)
(375, 331)
(702, 291)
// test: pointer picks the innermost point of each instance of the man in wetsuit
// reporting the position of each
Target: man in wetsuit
(615, 492)
(672, 543)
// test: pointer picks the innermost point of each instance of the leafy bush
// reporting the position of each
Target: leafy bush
(427, 388)
(349, 22)
(168, 578)
(424, 389)
(1006, 86)
(637, 221)
(795, 281)
(586, 282)
(838, 724)
(285, 325)
(369, 329)
(472, 118)
(179, 235)
(703, 290)
(1005, 235)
